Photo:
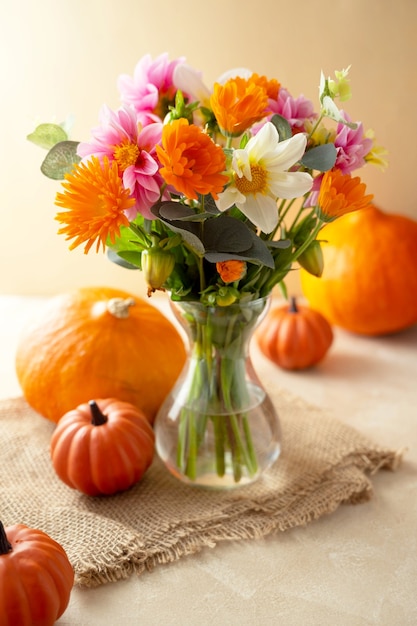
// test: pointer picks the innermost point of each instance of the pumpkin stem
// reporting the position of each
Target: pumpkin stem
(293, 305)
(97, 417)
(5, 545)
(119, 307)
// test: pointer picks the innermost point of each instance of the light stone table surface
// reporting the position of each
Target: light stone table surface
(356, 567)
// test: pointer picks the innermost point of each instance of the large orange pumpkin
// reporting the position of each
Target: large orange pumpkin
(98, 343)
(369, 282)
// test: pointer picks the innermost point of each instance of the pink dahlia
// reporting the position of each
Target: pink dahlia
(122, 139)
(352, 146)
(295, 110)
(151, 89)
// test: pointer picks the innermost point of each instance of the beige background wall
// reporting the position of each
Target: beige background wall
(60, 57)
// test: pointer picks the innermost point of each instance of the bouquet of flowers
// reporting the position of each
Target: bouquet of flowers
(214, 193)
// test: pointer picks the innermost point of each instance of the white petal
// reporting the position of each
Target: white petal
(288, 152)
(243, 72)
(322, 84)
(331, 110)
(230, 196)
(241, 164)
(265, 141)
(188, 80)
(291, 185)
(261, 210)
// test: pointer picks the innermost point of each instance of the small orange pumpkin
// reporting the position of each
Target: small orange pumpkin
(98, 342)
(36, 577)
(294, 336)
(369, 281)
(102, 447)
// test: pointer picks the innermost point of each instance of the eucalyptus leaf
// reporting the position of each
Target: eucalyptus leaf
(60, 160)
(321, 158)
(260, 256)
(279, 243)
(259, 251)
(209, 205)
(282, 126)
(193, 217)
(188, 229)
(122, 259)
(47, 135)
(226, 234)
(189, 237)
(172, 210)
(234, 240)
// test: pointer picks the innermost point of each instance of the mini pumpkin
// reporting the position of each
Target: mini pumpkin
(102, 447)
(369, 282)
(36, 577)
(294, 336)
(98, 342)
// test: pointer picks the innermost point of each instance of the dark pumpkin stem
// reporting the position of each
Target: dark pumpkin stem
(5, 545)
(293, 305)
(97, 417)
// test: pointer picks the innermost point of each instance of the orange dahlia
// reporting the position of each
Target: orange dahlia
(238, 104)
(191, 162)
(270, 86)
(340, 194)
(95, 200)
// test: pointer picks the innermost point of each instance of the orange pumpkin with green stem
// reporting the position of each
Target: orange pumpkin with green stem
(369, 281)
(98, 343)
(294, 336)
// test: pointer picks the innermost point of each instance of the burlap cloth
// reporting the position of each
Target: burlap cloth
(324, 463)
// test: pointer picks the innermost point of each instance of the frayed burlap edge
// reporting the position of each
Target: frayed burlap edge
(243, 517)
(255, 520)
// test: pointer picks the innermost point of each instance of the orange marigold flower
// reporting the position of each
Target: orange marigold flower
(231, 270)
(340, 194)
(191, 162)
(238, 104)
(95, 199)
(270, 86)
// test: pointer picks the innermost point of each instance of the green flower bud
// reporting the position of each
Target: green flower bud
(312, 259)
(226, 296)
(181, 109)
(157, 266)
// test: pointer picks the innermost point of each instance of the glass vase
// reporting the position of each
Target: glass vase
(218, 427)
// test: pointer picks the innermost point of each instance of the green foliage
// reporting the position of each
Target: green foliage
(312, 259)
(122, 259)
(214, 237)
(226, 238)
(321, 158)
(47, 135)
(60, 160)
(283, 127)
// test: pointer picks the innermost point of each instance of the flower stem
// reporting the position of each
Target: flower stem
(216, 397)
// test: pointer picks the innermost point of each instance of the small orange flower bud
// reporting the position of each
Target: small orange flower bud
(231, 270)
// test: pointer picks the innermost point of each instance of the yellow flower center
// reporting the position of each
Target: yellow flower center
(258, 183)
(126, 154)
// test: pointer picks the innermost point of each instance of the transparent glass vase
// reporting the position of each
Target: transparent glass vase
(218, 427)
